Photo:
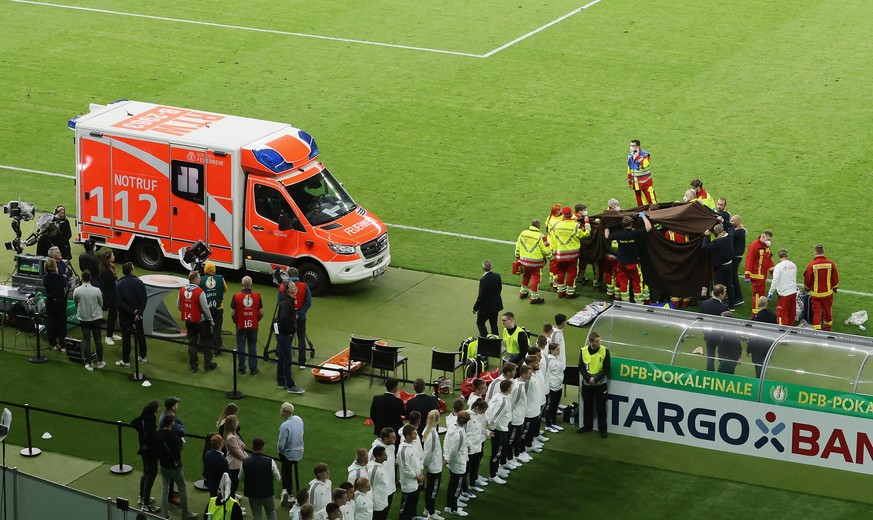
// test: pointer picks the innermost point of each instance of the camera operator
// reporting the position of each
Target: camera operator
(47, 240)
(65, 233)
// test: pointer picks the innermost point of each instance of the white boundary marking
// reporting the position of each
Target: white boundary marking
(541, 28)
(398, 226)
(317, 36)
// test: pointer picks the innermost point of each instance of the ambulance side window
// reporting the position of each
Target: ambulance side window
(270, 204)
(187, 181)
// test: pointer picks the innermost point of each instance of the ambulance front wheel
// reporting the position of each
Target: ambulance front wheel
(148, 255)
(315, 277)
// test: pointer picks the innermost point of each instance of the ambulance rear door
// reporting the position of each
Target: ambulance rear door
(188, 196)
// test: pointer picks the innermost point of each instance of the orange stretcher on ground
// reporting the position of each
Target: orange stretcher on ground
(340, 360)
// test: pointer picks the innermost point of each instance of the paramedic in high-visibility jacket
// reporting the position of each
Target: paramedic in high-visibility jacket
(567, 234)
(532, 251)
(214, 286)
(759, 264)
(195, 313)
(639, 175)
(821, 280)
(248, 310)
(594, 374)
(552, 220)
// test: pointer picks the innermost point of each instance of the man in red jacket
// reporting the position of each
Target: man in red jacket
(821, 280)
(759, 264)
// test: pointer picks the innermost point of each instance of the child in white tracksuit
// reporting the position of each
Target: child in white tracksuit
(499, 413)
(519, 408)
(410, 469)
(476, 435)
(320, 488)
(456, 454)
(433, 461)
(555, 377)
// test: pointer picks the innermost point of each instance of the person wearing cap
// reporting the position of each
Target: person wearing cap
(195, 312)
(567, 234)
(552, 220)
(214, 286)
(169, 451)
(532, 250)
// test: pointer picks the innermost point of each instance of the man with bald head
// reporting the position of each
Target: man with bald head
(248, 310)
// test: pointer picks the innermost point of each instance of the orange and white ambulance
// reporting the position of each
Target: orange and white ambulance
(154, 179)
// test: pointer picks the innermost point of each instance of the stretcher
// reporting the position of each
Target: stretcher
(324, 373)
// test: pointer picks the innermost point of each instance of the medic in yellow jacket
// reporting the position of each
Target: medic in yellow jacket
(552, 221)
(532, 250)
(568, 232)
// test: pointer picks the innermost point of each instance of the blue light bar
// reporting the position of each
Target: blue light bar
(313, 148)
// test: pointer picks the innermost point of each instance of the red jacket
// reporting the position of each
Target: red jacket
(759, 261)
(821, 278)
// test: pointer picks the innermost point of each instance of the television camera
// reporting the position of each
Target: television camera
(19, 211)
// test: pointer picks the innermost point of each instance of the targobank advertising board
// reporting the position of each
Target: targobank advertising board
(719, 412)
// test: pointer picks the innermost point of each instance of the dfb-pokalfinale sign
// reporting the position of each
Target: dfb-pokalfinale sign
(721, 412)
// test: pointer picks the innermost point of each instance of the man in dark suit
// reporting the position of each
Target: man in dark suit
(489, 302)
(757, 347)
(716, 307)
(386, 410)
(422, 403)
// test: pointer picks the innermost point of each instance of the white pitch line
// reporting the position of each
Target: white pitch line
(254, 29)
(539, 29)
(446, 233)
(398, 226)
(52, 174)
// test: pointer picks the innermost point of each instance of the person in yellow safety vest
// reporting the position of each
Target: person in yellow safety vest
(551, 221)
(224, 506)
(702, 195)
(567, 233)
(594, 364)
(515, 338)
(532, 250)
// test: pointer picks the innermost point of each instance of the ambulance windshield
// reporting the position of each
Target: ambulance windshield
(321, 198)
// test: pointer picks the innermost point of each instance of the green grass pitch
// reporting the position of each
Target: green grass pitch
(766, 101)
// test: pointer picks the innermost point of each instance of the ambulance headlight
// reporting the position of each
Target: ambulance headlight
(341, 249)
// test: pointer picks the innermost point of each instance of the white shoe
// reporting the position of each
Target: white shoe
(536, 444)
(143, 360)
(482, 481)
(89, 368)
(524, 457)
(109, 341)
(511, 464)
(559, 428)
(283, 499)
(121, 363)
(498, 480)
(537, 449)
(468, 495)
(116, 337)
(552, 429)
(457, 512)
(543, 438)
(435, 516)
(463, 500)
(477, 488)
(502, 473)
(101, 364)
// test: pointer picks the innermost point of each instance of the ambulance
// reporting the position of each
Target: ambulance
(155, 179)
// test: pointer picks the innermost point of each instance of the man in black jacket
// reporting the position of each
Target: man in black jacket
(386, 410)
(758, 347)
(715, 307)
(721, 256)
(169, 452)
(130, 293)
(489, 303)
(146, 426)
(422, 403)
(286, 323)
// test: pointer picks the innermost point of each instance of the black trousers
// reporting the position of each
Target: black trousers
(723, 274)
(409, 505)
(552, 407)
(594, 397)
(289, 472)
(132, 328)
(530, 429)
(491, 318)
(499, 444)
(454, 490)
(473, 462)
(431, 488)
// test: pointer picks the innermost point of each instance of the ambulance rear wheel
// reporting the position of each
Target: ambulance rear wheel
(147, 254)
(315, 277)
